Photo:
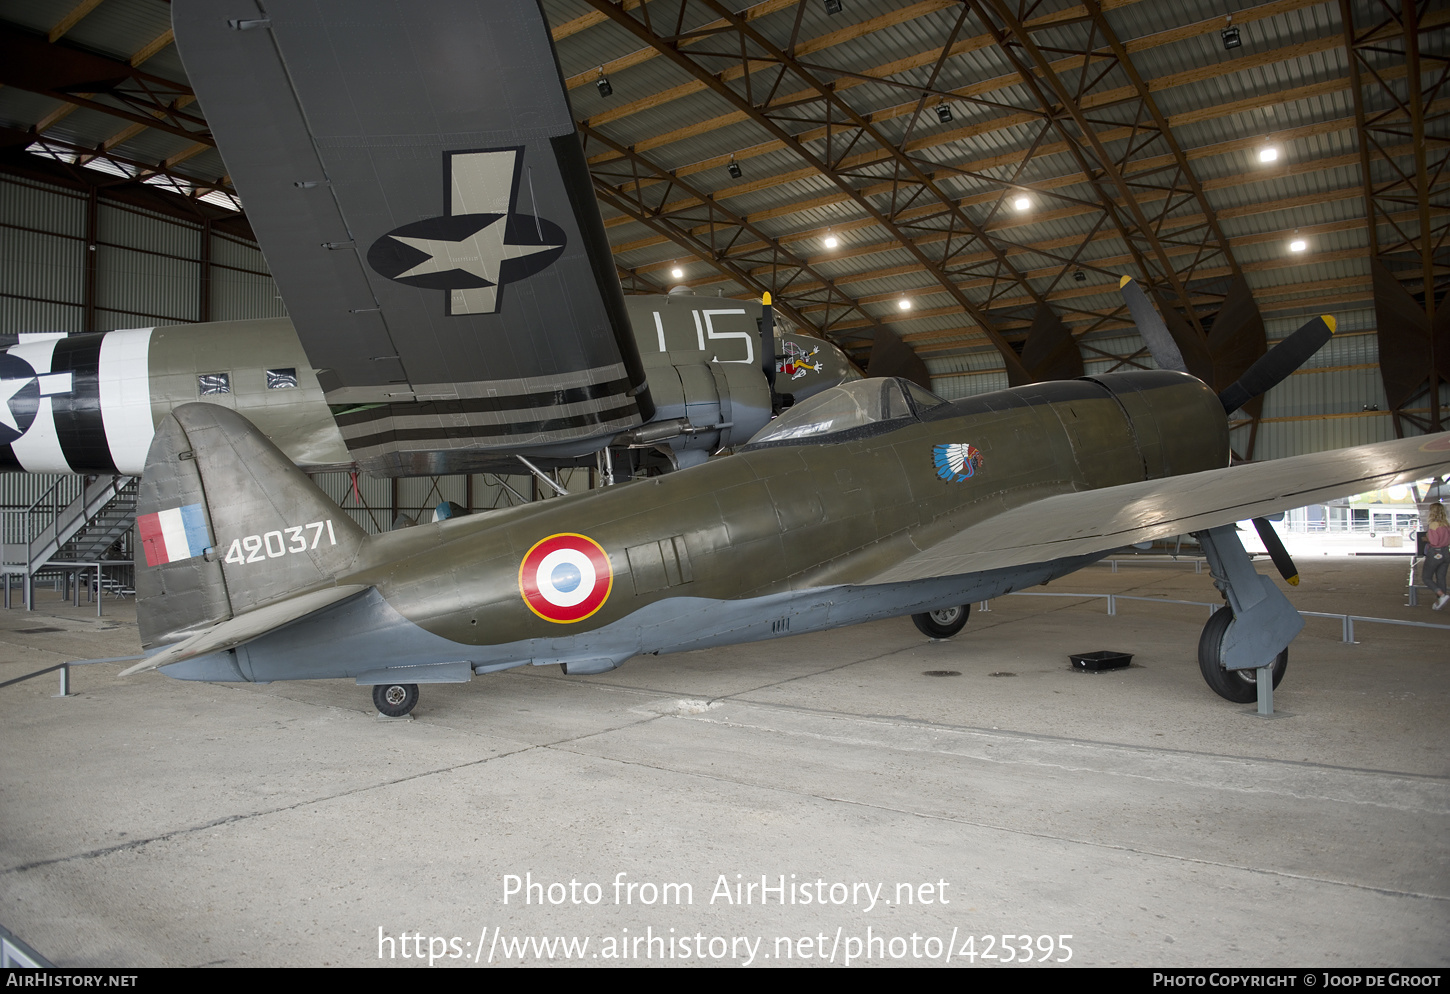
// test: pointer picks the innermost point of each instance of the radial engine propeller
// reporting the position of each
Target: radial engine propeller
(1273, 367)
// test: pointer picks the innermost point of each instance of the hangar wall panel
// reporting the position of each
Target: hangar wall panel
(42, 258)
(148, 270)
(238, 295)
(148, 266)
(241, 286)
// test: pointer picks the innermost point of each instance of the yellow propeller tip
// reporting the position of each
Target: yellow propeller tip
(1124, 281)
(1294, 580)
(1329, 320)
(765, 299)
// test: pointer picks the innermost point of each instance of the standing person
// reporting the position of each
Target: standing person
(1437, 555)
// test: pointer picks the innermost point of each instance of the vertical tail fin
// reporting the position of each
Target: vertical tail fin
(227, 524)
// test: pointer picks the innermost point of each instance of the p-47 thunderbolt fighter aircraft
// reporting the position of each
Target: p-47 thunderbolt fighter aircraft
(872, 499)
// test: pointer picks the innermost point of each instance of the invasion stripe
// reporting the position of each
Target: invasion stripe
(126, 397)
(491, 431)
(481, 405)
(79, 426)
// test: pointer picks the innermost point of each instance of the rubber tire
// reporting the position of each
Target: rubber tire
(942, 624)
(395, 699)
(1239, 686)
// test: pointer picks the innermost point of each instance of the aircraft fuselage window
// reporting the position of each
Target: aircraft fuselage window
(208, 384)
(282, 379)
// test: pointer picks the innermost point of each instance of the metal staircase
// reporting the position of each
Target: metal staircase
(55, 530)
(106, 526)
(86, 527)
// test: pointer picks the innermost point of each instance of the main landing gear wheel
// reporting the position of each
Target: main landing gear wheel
(1239, 686)
(395, 699)
(942, 624)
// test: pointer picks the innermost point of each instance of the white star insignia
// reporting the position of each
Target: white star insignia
(8, 389)
(480, 254)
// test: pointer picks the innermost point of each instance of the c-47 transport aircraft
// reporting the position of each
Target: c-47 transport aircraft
(416, 183)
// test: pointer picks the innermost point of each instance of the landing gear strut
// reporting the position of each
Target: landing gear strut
(395, 699)
(942, 624)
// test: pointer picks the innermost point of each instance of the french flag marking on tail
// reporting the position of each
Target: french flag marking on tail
(173, 535)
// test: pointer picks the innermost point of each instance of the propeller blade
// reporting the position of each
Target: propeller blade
(1277, 552)
(767, 339)
(1150, 325)
(1276, 364)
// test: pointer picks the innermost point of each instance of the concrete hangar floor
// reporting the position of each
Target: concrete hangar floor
(1131, 818)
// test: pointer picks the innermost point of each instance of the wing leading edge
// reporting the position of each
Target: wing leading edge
(1090, 521)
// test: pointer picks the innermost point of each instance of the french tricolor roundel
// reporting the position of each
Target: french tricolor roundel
(565, 578)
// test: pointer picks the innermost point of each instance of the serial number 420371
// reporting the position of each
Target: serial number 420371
(275, 544)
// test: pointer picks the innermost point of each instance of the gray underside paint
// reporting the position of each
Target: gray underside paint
(368, 640)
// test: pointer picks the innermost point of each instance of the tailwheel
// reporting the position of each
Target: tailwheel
(942, 624)
(1239, 686)
(395, 699)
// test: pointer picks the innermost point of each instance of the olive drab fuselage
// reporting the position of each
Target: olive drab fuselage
(798, 515)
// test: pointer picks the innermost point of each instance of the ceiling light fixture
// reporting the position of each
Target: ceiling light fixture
(944, 113)
(1021, 203)
(733, 168)
(1080, 276)
(1298, 245)
(832, 6)
(903, 304)
(1269, 154)
(677, 273)
(1230, 35)
(603, 84)
(831, 241)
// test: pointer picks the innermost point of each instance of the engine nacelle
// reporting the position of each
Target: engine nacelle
(1177, 420)
(706, 407)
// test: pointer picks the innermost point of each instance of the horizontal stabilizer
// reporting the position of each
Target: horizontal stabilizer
(1096, 521)
(254, 624)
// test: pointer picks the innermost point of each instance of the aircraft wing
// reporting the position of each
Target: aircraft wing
(244, 627)
(1089, 521)
(416, 182)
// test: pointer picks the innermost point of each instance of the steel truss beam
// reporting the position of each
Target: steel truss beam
(741, 44)
(76, 156)
(1406, 208)
(1079, 73)
(99, 83)
(712, 233)
(1117, 176)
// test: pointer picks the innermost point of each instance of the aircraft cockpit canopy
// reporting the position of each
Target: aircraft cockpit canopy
(854, 405)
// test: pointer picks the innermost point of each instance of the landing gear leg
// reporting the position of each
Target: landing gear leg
(394, 700)
(1252, 633)
(942, 624)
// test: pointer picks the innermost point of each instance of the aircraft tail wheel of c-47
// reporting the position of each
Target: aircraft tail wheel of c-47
(394, 700)
(1239, 686)
(942, 624)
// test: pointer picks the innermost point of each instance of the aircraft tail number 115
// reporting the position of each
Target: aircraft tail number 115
(275, 544)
